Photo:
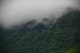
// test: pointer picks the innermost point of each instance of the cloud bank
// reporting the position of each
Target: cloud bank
(17, 12)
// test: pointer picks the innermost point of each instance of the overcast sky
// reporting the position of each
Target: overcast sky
(17, 12)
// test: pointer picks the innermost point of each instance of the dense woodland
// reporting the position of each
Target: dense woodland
(63, 36)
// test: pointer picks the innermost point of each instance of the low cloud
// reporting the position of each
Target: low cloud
(17, 12)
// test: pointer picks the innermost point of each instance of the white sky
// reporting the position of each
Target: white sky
(16, 12)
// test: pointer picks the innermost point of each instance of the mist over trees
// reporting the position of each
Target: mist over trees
(18, 12)
(39, 26)
(61, 37)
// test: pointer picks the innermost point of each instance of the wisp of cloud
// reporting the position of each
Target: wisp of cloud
(17, 12)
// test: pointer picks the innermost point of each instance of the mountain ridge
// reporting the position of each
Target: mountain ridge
(63, 35)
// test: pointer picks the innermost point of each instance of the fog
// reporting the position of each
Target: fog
(18, 12)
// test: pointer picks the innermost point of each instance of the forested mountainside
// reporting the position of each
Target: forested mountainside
(61, 37)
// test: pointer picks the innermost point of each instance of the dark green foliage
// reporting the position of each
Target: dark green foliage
(75, 49)
(61, 37)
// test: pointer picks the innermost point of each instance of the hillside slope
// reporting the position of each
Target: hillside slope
(61, 37)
